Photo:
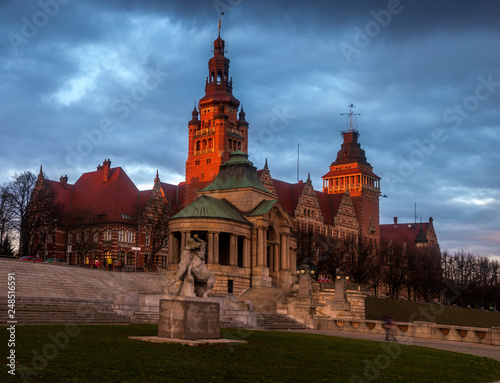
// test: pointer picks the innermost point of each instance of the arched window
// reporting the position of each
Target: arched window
(197, 145)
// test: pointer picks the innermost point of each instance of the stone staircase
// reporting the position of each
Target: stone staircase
(36, 311)
(43, 280)
(273, 321)
(263, 298)
(58, 293)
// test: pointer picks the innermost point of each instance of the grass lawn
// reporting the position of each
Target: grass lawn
(104, 354)
(406, 311)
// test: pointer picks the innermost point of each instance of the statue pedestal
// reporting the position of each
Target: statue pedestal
(189, 318)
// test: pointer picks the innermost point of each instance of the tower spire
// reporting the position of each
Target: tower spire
(352, 122)
(220, 17)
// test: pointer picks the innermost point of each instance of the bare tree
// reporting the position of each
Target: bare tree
(154, 221)
(359, 257)
(6, 214)
(83, 227)
(331, 256)
(309, 246)
(395, 267)
(425, 272)
(376, 268)
(34, 212)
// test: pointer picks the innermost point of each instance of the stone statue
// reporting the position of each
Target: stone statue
(197, 280)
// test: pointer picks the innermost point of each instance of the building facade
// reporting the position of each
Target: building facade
(246, 217)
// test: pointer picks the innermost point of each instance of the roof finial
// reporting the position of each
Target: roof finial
(41, 170)
(220, 17)
(352, 122)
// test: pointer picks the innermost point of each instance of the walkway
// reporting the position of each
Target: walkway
(485, 350)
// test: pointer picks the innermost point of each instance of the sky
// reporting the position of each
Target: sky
(83, 81)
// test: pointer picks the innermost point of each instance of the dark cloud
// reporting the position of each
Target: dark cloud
(412, 68)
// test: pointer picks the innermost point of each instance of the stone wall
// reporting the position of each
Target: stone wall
(327, 306)
(321, 302)
(144, 307)
(417, 329)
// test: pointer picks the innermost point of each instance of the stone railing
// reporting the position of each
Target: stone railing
(417, 329)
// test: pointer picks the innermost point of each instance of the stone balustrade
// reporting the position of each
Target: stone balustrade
(417, 329)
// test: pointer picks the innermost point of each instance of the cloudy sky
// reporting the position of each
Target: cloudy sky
(82, 81)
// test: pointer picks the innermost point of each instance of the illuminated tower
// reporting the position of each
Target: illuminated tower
(218, 131)
(352, 173)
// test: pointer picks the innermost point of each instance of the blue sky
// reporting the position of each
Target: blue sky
(84, 81)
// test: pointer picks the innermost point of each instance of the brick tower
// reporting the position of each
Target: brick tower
(352, 173)
(218, 131)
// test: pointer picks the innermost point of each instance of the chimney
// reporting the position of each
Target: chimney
(64, 181)
(106, 165)
(395, 221)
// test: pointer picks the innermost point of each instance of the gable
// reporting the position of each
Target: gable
(308, 205)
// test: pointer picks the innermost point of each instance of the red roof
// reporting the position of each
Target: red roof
(113, 198)
(62, 195)
(118, 199)
(329, 205)
(289, 194)
(401, 232)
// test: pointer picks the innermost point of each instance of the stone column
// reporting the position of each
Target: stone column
(177, 252)
(264, 250)
(260, 246)
(276, 265)
(183, 240)
(171, 249)
(216, 248)
(271, 256)
(210, 249)
(233, 250)
(284, 251)
(246, 252)
(254, 246)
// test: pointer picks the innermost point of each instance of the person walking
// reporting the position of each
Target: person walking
(388, 325)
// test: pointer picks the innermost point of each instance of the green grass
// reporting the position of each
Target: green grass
(104, 354)
(406, 311)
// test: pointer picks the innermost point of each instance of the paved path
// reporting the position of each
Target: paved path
(485, 350)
